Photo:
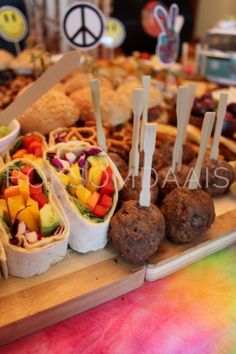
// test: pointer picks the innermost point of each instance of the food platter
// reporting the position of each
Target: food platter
(82, 281)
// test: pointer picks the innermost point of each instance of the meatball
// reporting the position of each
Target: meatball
(188, 214)
(136, 231)
(216, 176)
(120, 163)
(162, 156)
(165, 153)
(131, 189)
(169, 179)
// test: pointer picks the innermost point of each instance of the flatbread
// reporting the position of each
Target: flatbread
(86, 235)
(38, 257)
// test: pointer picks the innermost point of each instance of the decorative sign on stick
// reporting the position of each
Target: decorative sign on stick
(114, 33)
(13, 24)
(168, 41)
(83, 26)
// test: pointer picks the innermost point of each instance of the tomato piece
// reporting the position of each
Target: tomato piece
(105, 201)
(38, 152)
(36, 189)
(27, 140)
(107, 176)
(33, 146)
(29, 172)
(41, 199)
(99, 211)
(36, 138)
(108, 189)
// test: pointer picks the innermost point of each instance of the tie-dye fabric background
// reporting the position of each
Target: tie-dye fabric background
(190, 312)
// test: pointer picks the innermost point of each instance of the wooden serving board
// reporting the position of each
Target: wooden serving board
(170, 257)
(76, 284)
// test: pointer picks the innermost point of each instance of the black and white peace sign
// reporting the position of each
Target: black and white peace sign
(83, 25)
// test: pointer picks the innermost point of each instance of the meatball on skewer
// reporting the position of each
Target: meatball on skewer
(137, 229)
(189, 212)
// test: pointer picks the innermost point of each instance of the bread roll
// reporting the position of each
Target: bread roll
(114, 108)
(125, 91)
(52, 110)
(82, 80)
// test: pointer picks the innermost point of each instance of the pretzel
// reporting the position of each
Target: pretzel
(86, 134)
(120, 140)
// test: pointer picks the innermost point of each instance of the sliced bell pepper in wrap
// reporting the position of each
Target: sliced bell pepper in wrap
(89, 221)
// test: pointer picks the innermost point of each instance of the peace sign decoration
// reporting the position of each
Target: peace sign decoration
(168, 41)
(83, 25)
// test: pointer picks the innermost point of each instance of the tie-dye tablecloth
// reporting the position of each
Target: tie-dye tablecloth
(190, 312)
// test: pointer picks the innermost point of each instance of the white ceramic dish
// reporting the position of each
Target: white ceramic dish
(6, 141)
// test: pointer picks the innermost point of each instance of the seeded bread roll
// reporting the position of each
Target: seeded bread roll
(52, 110)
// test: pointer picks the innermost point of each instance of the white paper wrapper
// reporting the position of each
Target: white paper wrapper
(85, 235)
(39, 256)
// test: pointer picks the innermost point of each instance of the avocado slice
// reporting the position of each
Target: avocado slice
(49, 220)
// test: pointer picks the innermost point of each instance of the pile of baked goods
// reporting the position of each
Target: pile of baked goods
(59, 188)
(18, 72)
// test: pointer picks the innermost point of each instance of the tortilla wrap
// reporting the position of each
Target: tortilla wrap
(86, 235)
(35, 258)
(3, 261)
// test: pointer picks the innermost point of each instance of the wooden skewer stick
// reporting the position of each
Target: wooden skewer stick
(219, 123)
(207, 126)
(191, 96)
(149, 144)
(52, 76)
(181, 112)
(146, 80)
(185, 54)
(95, 92)
(137, 107)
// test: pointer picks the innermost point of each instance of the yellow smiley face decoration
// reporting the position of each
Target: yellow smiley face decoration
(13, 24)
(114, 33)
